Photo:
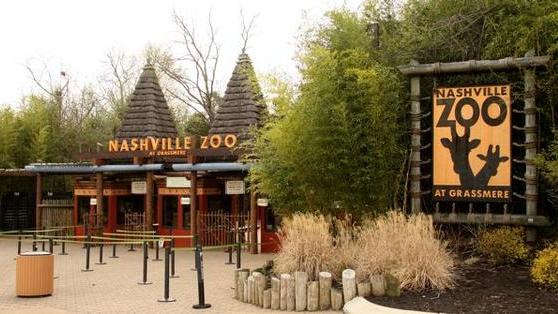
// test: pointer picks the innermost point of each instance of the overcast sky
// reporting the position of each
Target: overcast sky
(75, 36)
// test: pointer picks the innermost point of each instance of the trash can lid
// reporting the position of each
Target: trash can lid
(37, 253)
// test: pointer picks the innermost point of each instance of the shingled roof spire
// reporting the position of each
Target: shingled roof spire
(243, 105)
(148, 113)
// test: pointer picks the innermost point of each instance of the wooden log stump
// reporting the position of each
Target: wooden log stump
(363, 289)
(267, 299)
(301, 282)
(283, 297)
(325, 286)
(378, 284)
(313, 298)
(246, 294)
(349, 284)
(239, 290)
(336, 299)
(291, 294)
(275, 293)
(251, 289)
(260, 287)
(392, 286)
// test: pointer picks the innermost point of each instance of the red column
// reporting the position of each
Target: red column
(180, 216)
(112, 213)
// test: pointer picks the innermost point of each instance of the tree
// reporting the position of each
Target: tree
(8, 135)
(337, 147)
(195, 91)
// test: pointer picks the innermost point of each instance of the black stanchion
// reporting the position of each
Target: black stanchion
(100, 255)
(201, 289)
(238, 254)
(43, 241)
(229, 250)
(19, 243)
(173, 275)
(156, 259)
(87, 254)
(145, 258)
(166, 278)
(194, 244)
(34, 242)
(50, 246)
(63, 248)
(131, 249)
(113, 251)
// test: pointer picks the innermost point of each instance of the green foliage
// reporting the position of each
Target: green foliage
(8, 134)
(548, 162)
(337, 146)
(503, 245)
(544, 270)
(196, 124)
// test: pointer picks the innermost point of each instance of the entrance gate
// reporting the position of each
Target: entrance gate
(221, 228)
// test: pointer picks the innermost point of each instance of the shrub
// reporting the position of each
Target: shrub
(503, 245)
(406, 247)
(545, 267)
(306, 245)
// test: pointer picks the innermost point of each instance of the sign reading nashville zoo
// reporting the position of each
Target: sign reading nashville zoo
(472, 144)
(170, 146)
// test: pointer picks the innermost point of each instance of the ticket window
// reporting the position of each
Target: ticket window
(84, 207)
(170, 211)
(127, 205)
(185, 203)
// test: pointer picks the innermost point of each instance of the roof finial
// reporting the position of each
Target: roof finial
(148, 63)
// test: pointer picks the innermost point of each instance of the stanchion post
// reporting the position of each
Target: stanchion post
(173, 275)
(100, 255)
(50, 245)
(194, 244)
(87, 253)
(230, 249)
(238, 254)
(201, 292)
(63, 248)
(34, 242)
(113, 251)
(145, 258)
(19, 243)
(166, 278)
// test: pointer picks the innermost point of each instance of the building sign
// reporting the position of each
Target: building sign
(234, 187)
(178, 146)
(139, 187)
(184, 201)
(472, 143)
(92, 201)
(262, 202)
(178, 182)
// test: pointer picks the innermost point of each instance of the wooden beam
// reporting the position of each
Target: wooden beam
(253, 223)
(38, 200)
(531, 182)
(194, 202)
(474, 66)
(149, 200)
(415, 145)
(524, 220)
(99, 193)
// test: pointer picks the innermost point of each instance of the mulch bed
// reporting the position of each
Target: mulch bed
(482, 288)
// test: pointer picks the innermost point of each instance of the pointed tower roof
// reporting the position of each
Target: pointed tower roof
(243, 106)
(148, 113)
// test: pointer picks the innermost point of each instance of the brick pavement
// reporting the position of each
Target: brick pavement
(113, 288)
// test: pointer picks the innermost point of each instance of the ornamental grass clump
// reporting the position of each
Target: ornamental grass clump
(306, 245)
(406, 247)
(503, 245)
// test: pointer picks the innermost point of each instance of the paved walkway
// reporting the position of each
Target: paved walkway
(113, 288)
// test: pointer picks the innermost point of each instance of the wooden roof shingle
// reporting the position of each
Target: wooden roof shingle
(148, 113)
(243, 106)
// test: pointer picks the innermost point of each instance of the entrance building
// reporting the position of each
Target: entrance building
(150, 177)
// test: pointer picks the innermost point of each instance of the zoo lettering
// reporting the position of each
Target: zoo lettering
(475, 193)
(168, 145)
(492, 93)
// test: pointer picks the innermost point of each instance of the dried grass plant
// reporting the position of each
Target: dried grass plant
(406, 247)
(306, 245)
